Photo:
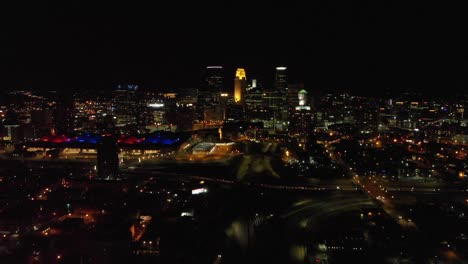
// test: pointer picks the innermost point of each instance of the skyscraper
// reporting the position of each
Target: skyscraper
(301, 116)
(240, 86)
(275, 100)
(209, 92)
(208, 99)
(291, 97)
(64, 113)
(107, 158)
(125, 105)
(281, 82)
(214, 79)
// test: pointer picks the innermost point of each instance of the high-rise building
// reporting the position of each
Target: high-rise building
(275, 99)
(291, 97)
(281, 82)
(208, 98)
(254, 107)
(275, 96)
(209, 92)
(214, 79)
(107, 158)
(281, 87)
(253, 96)
(187, 97)
(181, 112)
(240, 86)
(125, 105)
(64, 113)
(302, 97)
(301, 116)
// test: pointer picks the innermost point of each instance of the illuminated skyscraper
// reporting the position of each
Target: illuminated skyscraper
(125, 105)
(275, 100)
(301, 116)
(214, 79)
(291, 97)
(240, 86)
(302, 96)
(281, 82)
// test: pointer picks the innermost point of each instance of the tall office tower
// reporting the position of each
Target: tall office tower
(302, 97)
(240, 86)
(208, 99)
(209, 93)
(275, 100)
(108, 158)
(291, 97)
(254, 107)
(281, 82)
(64, 113)
(182, 111)
(281, 87)
(276, 96)
(125, 105)
(214, 79)
(301, 116)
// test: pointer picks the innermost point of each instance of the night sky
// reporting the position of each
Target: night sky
(362, 46)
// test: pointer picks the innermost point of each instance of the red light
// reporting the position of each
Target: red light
(317, 260)
(130, 140)
(55, 139)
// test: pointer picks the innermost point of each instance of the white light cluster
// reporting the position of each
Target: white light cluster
(199, 191)
(156, 105)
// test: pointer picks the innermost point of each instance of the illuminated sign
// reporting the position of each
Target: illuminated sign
(281, 68)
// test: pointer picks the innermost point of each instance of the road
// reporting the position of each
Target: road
(374, 190)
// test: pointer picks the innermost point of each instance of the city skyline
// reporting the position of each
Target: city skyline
(227, 132)
(279, 176)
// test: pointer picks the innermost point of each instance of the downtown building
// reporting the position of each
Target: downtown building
(108, 158)
(275, 100)
(130, 109)
(301, 118)
(209, 101)
(236, 111)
